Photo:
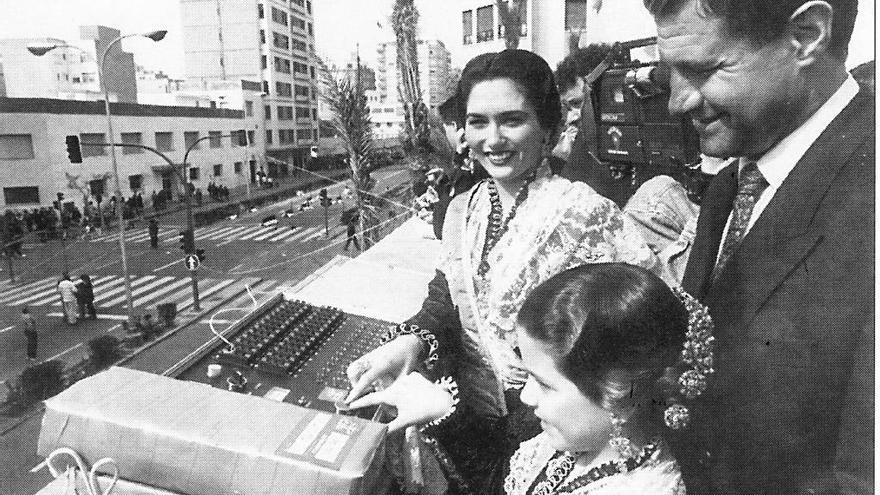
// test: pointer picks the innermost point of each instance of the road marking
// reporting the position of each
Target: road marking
(7, 329)
(267, 235)
(206, 322)
(56, 356)
(229, 233)
(100, 317)
(256, 233)
(305, 233)
(139, 291)
(165, 266)
(164, 290)
(283, 235)
(114, 327)
(216, 230)
(107, 295)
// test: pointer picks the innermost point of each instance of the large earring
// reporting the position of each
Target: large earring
(469, 161)
(623, 444)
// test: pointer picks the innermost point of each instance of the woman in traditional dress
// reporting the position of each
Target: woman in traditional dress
(501, 239)
(607, 378)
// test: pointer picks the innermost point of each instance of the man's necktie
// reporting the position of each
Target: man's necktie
(750, 185)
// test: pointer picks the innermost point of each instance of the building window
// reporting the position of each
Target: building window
(298, 44)
(311, 30)
(467, 26)
(315, 134)
(21, 195)
(214, 139)
(298, 3)
(283, 89)
(135, 182)
(218, 170)
(575, 15)
(236, 168)
(309, 7)
(280, 41)
(249, 108)
(266, 87)
(484, 23)
(312, 71)
(194, 173)
(190, 138)
(269, 136)
(285, 112)
(298, 22)
(260, 11)
(267, 115)
(262, 37)
(164, 141)
(263, 62)
(250, 138)
(300, 68)
(96, 138)
(302, 113)
(282, 65)
(131, 138)
(16, 147)
(301, 91)
(279, 16)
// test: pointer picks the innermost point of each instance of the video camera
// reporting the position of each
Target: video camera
(636, 137)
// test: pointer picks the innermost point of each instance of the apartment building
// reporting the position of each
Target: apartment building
(34, 165)
(386, 109)
(269, 41)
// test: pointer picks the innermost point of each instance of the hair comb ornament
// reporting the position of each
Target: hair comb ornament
(698, 355)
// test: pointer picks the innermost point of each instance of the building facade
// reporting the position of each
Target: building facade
(386, 109)
(34, 165)
(268, 41)
(67, 72)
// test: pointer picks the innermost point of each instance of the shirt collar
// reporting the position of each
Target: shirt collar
(777, 163)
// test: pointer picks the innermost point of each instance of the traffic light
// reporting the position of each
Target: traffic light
(73, 150)
(200, 253)
(325, 200)
(187, 241)
(58, 204)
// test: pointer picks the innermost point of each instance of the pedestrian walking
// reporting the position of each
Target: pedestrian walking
(67, 290)
(85, 298)
(351, 231)
(153, 228)
(29, 327)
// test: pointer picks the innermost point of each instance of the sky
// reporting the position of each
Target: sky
(336, 35)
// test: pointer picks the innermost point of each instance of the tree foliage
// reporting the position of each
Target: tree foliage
(510, 18)
(416, 131)
(351, 121)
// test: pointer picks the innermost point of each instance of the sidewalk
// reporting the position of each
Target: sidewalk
(211, 210)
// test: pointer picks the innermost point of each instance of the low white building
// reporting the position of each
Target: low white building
(34, 164)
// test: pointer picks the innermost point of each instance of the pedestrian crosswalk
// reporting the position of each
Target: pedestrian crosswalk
(109, 290)
(257, 233)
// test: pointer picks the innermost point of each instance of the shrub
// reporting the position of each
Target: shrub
(42, 381)
(104, 351)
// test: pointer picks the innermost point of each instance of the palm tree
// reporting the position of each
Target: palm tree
(351, 120)
(404, 20)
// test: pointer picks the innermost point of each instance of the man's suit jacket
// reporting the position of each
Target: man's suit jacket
(793, 310)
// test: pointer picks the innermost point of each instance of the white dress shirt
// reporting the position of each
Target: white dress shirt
(781, 159)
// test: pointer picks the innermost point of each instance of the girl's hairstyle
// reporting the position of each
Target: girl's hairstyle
(528, 71)
(612, 330)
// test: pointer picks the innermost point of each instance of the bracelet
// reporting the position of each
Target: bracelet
(426, 336)
(449, 385)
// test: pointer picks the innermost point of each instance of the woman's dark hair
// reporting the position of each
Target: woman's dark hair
(530, 73)
(608, 323)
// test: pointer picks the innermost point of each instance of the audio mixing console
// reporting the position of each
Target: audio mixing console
(289, 351)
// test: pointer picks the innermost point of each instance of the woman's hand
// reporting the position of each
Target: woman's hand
(383, 364)
(417, 400)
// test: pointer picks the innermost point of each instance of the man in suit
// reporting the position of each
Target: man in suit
(783, 254)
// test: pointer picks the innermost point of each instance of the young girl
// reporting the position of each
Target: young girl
(602, 345)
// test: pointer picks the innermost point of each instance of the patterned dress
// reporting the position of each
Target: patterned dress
(658, 475)
(560, 225)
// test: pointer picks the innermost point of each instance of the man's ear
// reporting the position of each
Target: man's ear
(810, 30)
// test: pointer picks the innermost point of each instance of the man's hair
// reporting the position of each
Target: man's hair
(763, 21)
(579, 63)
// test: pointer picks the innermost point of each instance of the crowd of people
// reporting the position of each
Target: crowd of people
(583, 342)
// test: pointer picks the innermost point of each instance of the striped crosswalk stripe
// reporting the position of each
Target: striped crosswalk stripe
(46, 293)
(317, 234)
(37, 285)
(260, 231)
(269, 234)
(105, 294)
(237, 230)
(283, 235)
(213, 232)
(305, 233)
(138, 292)
(161, 292)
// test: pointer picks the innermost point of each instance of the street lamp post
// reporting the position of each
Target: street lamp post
(42, 50)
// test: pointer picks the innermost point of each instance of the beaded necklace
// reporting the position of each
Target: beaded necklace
(562, 463)
(495, 227)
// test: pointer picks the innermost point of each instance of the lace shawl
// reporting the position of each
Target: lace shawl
(659, 475)
(562, 224)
